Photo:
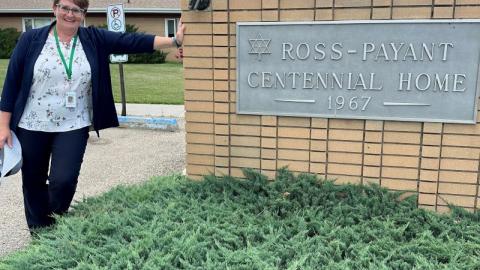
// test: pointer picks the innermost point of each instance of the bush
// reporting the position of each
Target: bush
(157, 57)
(8, 40)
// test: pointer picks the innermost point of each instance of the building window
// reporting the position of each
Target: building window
(32, 23)
(171, 27)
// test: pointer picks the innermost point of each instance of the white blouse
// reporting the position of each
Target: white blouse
(47, 108)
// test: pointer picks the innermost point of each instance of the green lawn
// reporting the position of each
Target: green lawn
(3, 71)
(294, 222)
(155, 83)
(150, 83)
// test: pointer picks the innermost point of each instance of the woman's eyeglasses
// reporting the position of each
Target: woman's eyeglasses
(75, 11)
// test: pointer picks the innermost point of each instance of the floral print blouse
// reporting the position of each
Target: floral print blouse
(46, 109)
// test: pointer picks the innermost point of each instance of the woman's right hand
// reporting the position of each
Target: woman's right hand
(179, 53)
(5, 133)
(5, 137)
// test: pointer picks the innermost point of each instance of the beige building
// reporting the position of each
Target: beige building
(158, 17)
(438, 161)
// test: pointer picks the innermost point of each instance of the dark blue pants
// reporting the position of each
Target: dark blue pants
(63, 153)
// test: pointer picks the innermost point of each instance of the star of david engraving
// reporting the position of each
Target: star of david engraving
(259, 46)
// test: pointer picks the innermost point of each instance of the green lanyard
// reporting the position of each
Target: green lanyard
(68, 69)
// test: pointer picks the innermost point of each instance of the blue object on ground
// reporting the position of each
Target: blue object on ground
(169, 124)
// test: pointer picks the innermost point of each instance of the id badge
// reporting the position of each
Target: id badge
(71, 100)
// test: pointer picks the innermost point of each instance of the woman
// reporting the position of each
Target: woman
(57, 87)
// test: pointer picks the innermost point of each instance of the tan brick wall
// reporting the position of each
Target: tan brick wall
(440, 162)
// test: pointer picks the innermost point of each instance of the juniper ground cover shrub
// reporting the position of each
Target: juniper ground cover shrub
(224, 223)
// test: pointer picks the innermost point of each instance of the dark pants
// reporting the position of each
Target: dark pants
(66, 151)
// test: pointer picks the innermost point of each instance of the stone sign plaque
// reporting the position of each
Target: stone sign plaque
(385, 70)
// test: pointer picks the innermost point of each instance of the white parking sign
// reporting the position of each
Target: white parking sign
(116, 23)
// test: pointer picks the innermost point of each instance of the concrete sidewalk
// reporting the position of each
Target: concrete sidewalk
(152, 110)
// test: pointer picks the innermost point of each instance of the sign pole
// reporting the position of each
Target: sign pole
(122, 90)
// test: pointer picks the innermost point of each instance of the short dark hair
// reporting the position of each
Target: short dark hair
(83, 4)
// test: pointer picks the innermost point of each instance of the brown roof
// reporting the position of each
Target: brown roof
(144, 6)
